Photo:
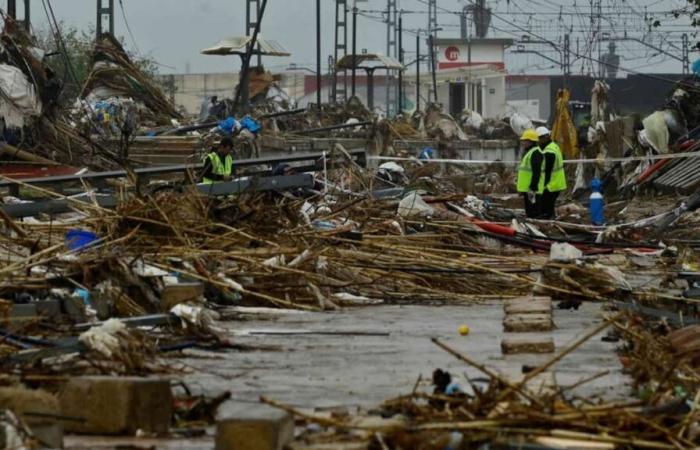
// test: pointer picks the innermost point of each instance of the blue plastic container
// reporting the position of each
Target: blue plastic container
(250, 124)
(80, 239)
(597, 203)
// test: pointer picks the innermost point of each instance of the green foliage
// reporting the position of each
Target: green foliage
(78, 45)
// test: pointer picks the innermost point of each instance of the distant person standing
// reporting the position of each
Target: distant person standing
(529, 173)
(553, 177)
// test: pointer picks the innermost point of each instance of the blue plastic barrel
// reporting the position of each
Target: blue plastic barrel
(597, 203)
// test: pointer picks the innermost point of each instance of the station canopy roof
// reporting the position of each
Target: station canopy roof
(369, 61)
(236, 45)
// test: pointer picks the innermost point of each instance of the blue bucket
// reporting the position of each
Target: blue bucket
(79, 239)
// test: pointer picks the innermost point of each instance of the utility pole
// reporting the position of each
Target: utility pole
(432, 32)
(686, 54)
(391, 52)
(319, 79)
(418, 71)
(340, 89)
(566, 63)
(354, 48)
(12, 12)
(252, 8)
(105, 10)
(399, 108)
(433, 68)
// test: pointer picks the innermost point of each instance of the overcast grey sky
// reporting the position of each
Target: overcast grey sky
(174, 31)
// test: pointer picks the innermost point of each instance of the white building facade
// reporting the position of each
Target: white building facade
(471, 74)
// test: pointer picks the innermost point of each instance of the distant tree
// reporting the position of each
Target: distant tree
(691, 10)
(78, 44)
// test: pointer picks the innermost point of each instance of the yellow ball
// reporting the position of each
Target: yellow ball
(463, 330)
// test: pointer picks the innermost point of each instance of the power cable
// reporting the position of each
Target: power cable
(128, 28)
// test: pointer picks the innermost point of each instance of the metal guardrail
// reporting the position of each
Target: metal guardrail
(247, 184)
(314, 162)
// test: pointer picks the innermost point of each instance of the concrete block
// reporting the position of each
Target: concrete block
(534, 305)
(29, 404)
(513, 346)
(117, 405)
(252, 427)
(174, 294)
(516, 323)
(48, 308)
(24, 310)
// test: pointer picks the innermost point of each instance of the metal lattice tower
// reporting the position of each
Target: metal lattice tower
(105, 10)
(12, 12)
(392, 51)
(339, 92)
(432, 17)
(252, 15)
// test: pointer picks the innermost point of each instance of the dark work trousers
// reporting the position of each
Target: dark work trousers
(548, 204)
(532, 210)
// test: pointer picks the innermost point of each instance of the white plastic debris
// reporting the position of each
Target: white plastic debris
(321, 263)
(16, 435)
(391, 166)
(196, 316)
(303, 256)
(472, 119)
(562, 251)
(104, 338)
(616, 275)
(230, 283)
(519, 123)
(275, 261)
(143, 269)
(20, 99)
(413, 205)
(474, 203)
(356, 299)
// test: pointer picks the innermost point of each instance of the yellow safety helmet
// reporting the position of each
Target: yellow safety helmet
(529, 135)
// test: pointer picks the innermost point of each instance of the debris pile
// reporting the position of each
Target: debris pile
(534, 410)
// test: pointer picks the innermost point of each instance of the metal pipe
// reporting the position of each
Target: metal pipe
(318, 57)
(334, 127)
(354, 47)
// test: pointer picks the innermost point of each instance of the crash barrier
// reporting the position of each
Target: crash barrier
(304, 162)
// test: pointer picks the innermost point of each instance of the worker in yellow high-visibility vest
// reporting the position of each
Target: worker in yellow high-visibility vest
(529, 171)
(553, 180)
(218, 165)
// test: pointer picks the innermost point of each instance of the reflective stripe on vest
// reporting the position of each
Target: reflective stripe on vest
(218, 167)
(525, 170)
(557, 181)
